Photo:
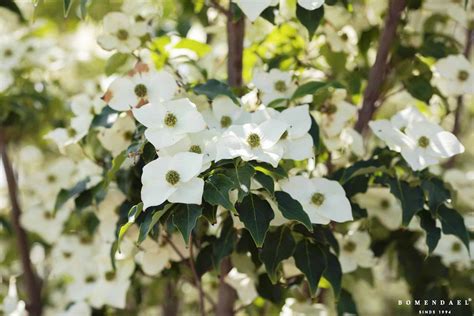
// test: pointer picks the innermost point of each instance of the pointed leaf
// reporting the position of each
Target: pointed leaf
(256, 214)
(452, 223)
(224, 245)
(216, 191)
(333, 272)
(67, 7)
(151, 218)
(266, 182)
(310, 18)
(433, 233)
(241, 176)
(436, 192)
(185, 217)
(308, 88)
(292, 209)
(279, 245)
(310, 260)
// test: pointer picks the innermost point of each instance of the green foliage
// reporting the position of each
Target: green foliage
(433, 233)
(185, 218)
(452, 223)
(292, 209)
(310, 18)
(216, 191)
(279, 245)
(256, 214)
(310, 260)
(214, 88)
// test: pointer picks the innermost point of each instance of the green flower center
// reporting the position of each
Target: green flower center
(122, 35)
(8, 53)
(67, 254)
(109, 276)
(170, 120)
(128, 135)
(195, 149)
(280, 86)
(423, 142)
(456, 247)
(317, 199)
(71, 132)
(90, 279)
(463, 75)
(329, 109)
(253, 140)
(172, 177)
(51, 178)
(48, 215)
(350, 246)
(384, 204)
(226, 121)
(140, 90)
(344, 37)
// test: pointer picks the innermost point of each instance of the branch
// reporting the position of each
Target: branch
(215, 4)
(235, 43)
(197, 279)
(378, 71)
(33, 286)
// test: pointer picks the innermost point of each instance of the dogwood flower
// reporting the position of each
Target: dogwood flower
(274, 85)
(355, 251)
(121, 33)
(322, 199)
(253, 142)
(6, 80)
(252, 9)
(169, 123)
(224, 113)
(297, 143)
(141, 88)
(454, 75)
(173, 178)
(294, 307)
(335, 114)
(452, 251)
(348, 141)
(382, 204)
(119, 136)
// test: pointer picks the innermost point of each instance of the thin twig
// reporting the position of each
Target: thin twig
(197, 279)
(32, 282)
(379, 71)
(215, 4)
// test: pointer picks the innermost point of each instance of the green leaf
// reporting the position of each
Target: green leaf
(115, 62)
(436, 192)
(315, 134)
(411, 198)
(292, 209)
(185, 217)
(214, 88)
(151, 218)
(333, 272)
(216, 191)
(266, 182)
(64, 195)
(308, 88)
(265, 168)
(67, 7)
(310, 18)
(346, 304)
(278, 245)
(241, 177)
(12, 6)
(132, 215)
(256, 214)
(106, 118)
(269, 14)
(199, 48)
(310, 260)
(224, 245)
(452, 223)
(433, 233)
(83, 8)
(419, 87)
(117, 162)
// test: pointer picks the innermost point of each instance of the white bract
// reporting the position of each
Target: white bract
(421, 143)
(355, 251)
(173, 178)
(322, 199)
(454, 75)
(224, 113)
(253, 8)
(253, 142)
(121, 33)
(274, 85)
(119, 136)
(144, 86)
(168, 123)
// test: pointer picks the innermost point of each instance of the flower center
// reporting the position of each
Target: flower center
(384, 204)
(51, 178)
(226, 121)
(423, 142)
(67, 254)
(170, 120)
(90, 279)
(317, 199)
(456, 247)
(463, 75)
(329, 109)
(8, 53)
(344, 37)
(350, 246)
(253, 140)
(195, 149)
(140, 90)
(172, 177)
(280, 86)
(128, 135)
(109, 276)
(48, 215)
(122, 35)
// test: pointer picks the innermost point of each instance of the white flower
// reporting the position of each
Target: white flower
(6, 80)
(274, 85)
(11, 53)
(293, 307)
(173, 178)
(344, 40)
(348, 141)
(252, 9)
(137, 90)
(454, 76)
(119, 136)
(203, 142)
(297, 143)
(243, 285)
(322, 199)
(355, 251)
(11, 304)
(420, 142)
(170, 122)
(463, 183)
(383, 205)
(253, 142)
(452, 251)
(121, 33)
(224, 113)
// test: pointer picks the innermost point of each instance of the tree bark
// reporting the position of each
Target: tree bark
(235, 43)
(378, 71)
(171, 303)
(226, 295)
(32, 282)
